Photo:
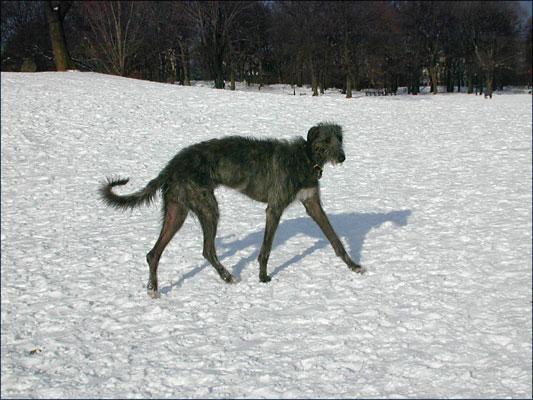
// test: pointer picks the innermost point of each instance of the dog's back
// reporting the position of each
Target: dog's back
(254, 167)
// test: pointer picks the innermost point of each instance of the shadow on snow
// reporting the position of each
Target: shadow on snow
(352, 229)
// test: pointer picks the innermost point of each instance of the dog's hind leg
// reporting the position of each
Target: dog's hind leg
(204, 204)
(174, 217)
(273, 215)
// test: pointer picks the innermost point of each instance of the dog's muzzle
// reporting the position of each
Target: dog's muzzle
(341, 157)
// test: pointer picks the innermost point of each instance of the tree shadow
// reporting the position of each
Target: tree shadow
(352, 228)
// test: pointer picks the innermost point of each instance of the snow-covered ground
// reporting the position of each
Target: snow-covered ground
(434, 200)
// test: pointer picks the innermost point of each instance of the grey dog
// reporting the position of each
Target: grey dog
(276, 172)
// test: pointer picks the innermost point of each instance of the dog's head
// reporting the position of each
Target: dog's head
(325, 141)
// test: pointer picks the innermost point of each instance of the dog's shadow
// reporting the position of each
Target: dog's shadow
(351, 228)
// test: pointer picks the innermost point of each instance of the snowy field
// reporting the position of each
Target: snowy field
(434, 200)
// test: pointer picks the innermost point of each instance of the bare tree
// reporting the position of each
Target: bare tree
(18, 15)
(22, 26)
(184, 36)
(340, 43)
(431, 28)
(248, 44)
(115, 28)
(423, 24)
(492, 28)
(299, 27)
(351, 25)
(214, 21)
(347, 29)
(385, 45)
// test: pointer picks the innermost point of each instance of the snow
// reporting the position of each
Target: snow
(434, 200)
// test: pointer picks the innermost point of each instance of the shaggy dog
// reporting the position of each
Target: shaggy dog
(275, 172)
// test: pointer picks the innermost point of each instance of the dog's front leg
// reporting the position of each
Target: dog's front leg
(314, 209)
(273, 214)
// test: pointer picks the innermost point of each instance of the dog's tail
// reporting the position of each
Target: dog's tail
(123, 202)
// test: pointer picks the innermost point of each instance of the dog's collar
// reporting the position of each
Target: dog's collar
(317, 169)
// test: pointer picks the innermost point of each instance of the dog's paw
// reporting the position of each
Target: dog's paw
(357, 268)
(230, 279)
(265, 279)
(227, 277)
(154, 294)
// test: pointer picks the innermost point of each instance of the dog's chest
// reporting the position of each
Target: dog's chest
(304, 194)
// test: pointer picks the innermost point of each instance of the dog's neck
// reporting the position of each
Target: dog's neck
(317, 165)
(317, 169)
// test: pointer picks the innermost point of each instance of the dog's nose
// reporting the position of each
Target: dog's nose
(342, 158)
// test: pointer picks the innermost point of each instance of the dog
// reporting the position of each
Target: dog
(275, 172)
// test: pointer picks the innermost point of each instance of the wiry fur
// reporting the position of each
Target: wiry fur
(275, 172)
(141, 197)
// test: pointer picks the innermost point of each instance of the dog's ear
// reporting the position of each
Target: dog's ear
(313, 134)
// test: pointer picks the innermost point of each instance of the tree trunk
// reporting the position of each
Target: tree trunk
(347, 67)
(459, 76)
(218, 73)
(355, 76)
(184, 64)
(415, 83)
(299, 77)
(479, 86)
(260, 74)
(321, 82)
(160, 69)
(314, 81)
(232, 78)
(55, 13)
(218, 69)
(449, 77)
(433, 76)
(172, 74)
(247, 75)
(219, 80)
(348, 86)
(490, 82)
